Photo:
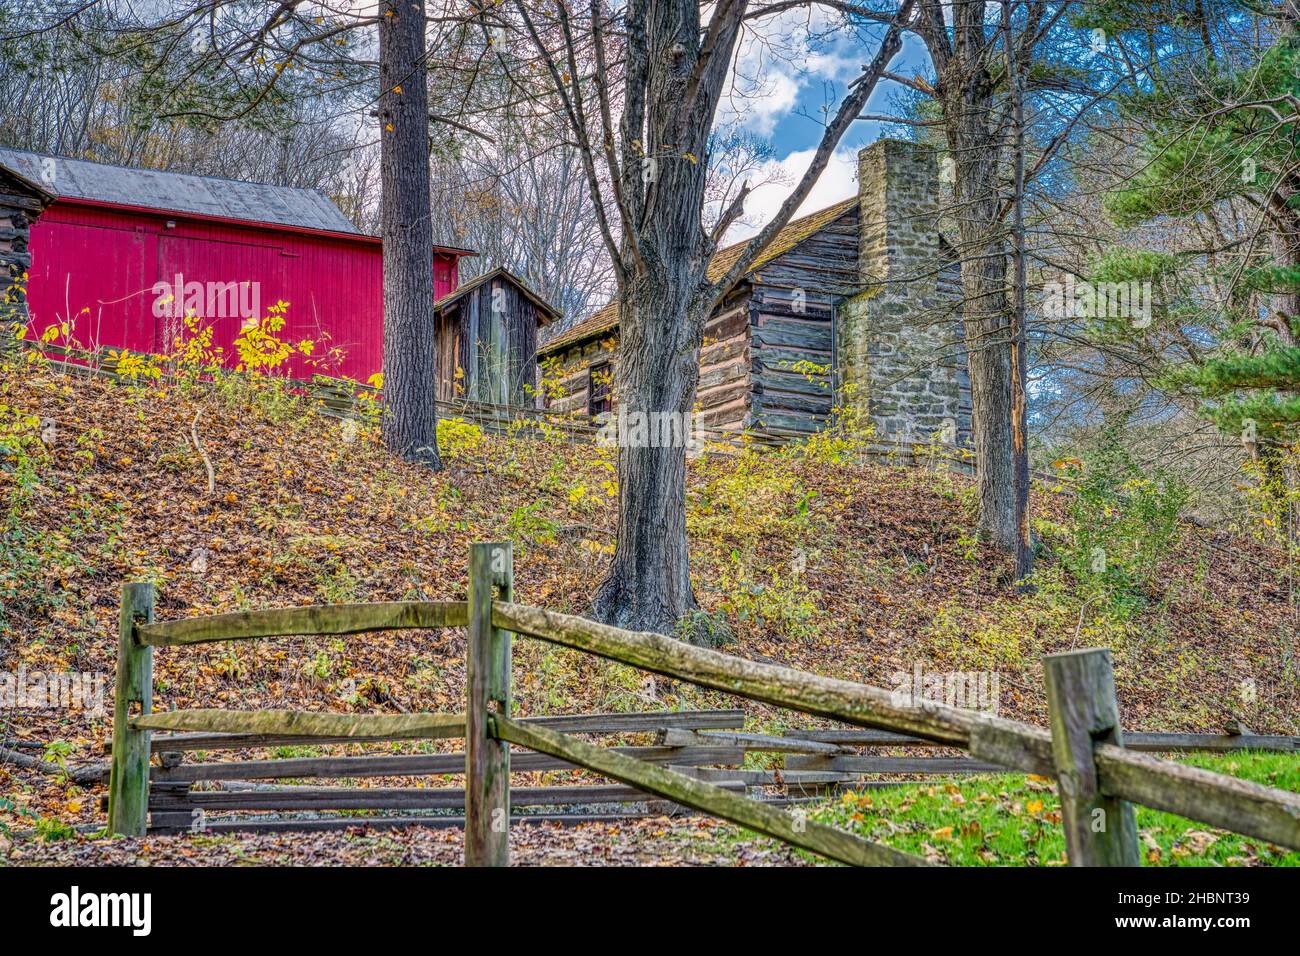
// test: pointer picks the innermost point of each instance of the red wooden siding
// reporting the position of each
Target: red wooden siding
(97, 265)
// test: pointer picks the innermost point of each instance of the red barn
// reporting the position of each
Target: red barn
(122, 251)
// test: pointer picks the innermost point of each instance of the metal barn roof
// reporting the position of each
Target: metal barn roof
(179, 192)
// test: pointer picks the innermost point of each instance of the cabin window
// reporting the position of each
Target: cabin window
(600, 388)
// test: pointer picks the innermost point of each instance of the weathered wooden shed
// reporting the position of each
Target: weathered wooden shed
(864, 292)
(487, 340)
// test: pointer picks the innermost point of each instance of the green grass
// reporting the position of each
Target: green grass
(1016, 821)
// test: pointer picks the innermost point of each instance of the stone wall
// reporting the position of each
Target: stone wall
(898, 338)
(20, 206)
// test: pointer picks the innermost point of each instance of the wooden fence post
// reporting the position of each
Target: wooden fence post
(128, 783)
(487, 681)
(1099, 830)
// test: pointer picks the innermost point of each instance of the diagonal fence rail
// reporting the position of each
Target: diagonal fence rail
(1099, 778)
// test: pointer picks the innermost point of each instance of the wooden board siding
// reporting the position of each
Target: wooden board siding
(502, 323)
(96, 266)
(792, 318)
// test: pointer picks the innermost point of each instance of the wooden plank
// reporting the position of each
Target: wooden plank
(565, 723)
(791, 779)
(1146, 742)
(757, 743)
(487, 693)
(864, 764)
(441, 821)
(1100, 829)
(128, 785)
(797, 831)
(843, 700)
(861, 738)
(411, 765)
(388, 798)
(1240, 806)
(301, 723)
(1218, 743)
(321, 619)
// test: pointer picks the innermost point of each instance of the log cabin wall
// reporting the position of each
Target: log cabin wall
(792, 317)
(20, 206)
(723, 394)
(572, 371)
(860, 303)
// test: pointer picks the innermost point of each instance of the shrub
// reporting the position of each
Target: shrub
(1123, 521)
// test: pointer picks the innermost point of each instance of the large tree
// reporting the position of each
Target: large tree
(177, 83)
(410, 424)
(649, 165)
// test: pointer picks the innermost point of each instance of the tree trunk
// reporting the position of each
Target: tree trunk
(648, 585)
(966, 94)
(410, 424)
(662, 305)
(988, 341)
(1020, 337)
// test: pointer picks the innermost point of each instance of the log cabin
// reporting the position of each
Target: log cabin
(857, 303)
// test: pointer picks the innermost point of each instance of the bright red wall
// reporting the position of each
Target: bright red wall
(99, 265)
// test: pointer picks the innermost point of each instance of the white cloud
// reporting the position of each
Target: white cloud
(778, 66)
(839, 180)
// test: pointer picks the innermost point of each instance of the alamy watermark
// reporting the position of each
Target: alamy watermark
(635, 429)
(1100, 300)
(969, 690)
(67, 690)
(207, 300)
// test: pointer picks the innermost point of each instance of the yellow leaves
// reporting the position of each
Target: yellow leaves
(1153, 852)
(693, 158)
(943, 833)
(1034, 807)
(388, 127)
(397, 89)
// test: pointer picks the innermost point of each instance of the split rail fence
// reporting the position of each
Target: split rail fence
(1100, 775)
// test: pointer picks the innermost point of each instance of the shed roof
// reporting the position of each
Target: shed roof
(550, 312)
(179, 192)
(795, 232)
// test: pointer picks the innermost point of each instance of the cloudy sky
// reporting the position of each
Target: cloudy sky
(781, 96)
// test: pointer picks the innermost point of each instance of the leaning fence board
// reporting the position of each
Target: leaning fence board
(323, 619)
(1225, 802)
(307, 723)
(441, 821)
(1147, 742)
(856, 764)
(390, 798)
(565, 723)
(711, 798)
(410, 765)
(843, 700)
(757, 743)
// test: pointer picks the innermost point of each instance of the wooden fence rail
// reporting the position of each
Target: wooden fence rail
(1099, 773)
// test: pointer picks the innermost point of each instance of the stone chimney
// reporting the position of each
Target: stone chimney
(895, 336)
